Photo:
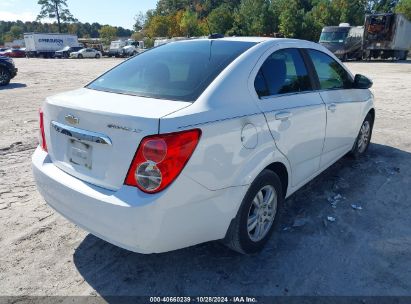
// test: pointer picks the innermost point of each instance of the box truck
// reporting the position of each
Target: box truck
(45, 45)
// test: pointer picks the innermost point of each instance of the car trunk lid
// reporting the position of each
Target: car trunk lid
(94, 135)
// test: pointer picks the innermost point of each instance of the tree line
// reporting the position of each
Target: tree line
(301, 19)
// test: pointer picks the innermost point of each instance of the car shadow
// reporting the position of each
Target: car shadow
(307, 255)
(13, 85)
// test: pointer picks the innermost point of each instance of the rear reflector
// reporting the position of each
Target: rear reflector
(42, 136)
(160, 159)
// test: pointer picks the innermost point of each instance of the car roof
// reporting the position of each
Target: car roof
(258, 40)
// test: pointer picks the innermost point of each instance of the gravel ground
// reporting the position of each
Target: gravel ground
(364, 252)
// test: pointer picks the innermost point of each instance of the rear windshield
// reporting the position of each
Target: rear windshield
(176, 71)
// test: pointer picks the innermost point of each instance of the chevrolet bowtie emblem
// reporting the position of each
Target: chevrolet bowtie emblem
(71, 119)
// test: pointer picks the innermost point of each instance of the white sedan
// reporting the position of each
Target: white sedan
(86, 53)
(199, 140)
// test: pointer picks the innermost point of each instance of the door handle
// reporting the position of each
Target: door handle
(332, 107)
(283, 115)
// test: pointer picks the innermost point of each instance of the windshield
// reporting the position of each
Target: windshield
(333, 37)
(176, 71)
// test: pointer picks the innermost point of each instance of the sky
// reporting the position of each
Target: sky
(112, 12)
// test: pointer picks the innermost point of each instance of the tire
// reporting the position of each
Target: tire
(364, 138)
(80, 56)
(244, 239)
(404, 55)
(4, 76)
(98, 56)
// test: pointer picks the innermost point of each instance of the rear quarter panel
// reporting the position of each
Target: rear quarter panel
(222, 159)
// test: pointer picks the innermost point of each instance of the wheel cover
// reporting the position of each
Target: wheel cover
(364, 136)
(3, 76)
(262, 213)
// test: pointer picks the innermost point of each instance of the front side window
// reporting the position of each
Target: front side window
(333, 37)
(283, 72)
(176, 71)
(330, 73)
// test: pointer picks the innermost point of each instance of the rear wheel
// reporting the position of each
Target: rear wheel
(254, 223)
(364, 137)
(4, 76)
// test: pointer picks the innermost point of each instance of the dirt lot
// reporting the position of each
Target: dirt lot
(364, 252)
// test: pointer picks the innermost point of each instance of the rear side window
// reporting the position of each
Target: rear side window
(330, 73)
(283, 72)
(176, 71)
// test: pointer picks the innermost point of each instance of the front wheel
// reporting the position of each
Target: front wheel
(4, 77)
(364, 137)
(254, 223)
(80, 56)
(98, 56)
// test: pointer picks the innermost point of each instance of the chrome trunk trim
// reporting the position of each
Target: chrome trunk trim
(81, 134)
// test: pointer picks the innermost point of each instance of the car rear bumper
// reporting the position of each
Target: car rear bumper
(184, 214)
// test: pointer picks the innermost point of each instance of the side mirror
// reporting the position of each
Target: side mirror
(362, 82)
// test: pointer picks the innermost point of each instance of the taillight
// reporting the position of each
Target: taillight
(42, 136)
(160, 159)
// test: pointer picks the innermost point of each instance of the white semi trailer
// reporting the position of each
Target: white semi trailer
(45, 45)
(387, 36)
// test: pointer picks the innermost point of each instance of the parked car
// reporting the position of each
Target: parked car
(14, 53)
(86, 53)
(7, 70)
(3, 49)
(65, 52)
(199, 140)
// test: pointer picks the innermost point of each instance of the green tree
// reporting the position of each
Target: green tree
(404, 7)
(221, 19)
(351, 11)
(139, 21)
(55, 9)
(170, 7)
(381, 6)
(108, 33)
(253, 17)
(158, 26)
(189, 23)
(16, 32)
(290, 17)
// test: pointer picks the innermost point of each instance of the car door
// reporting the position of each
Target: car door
(343, 106)
(89, 53)
(294, 112)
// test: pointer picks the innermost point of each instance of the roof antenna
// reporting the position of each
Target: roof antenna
(215, 35)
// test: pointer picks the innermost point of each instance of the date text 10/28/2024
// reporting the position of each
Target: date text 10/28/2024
(203, 300)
